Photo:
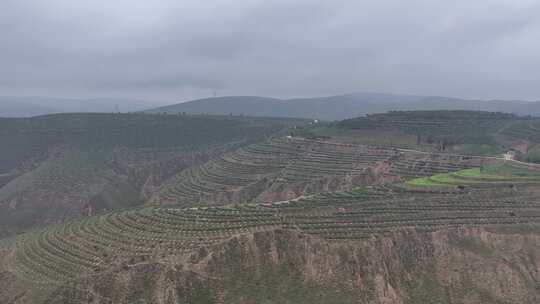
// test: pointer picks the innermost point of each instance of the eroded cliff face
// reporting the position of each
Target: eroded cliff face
(472, 265)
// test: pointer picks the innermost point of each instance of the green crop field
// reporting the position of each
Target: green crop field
(500, 173)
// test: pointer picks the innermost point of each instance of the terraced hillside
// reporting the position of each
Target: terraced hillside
(64, 252)
(285, 168)
(54, 258)
(286, 219)
(57, 167)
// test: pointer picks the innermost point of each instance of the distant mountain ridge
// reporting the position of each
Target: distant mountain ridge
(342, 106)
(326, 108)
(27, 106)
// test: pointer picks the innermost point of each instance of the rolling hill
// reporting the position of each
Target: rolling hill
(227, 209)
(342, 106)
(60, 166)
(457, 131)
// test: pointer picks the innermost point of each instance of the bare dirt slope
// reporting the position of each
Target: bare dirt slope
(450, 266)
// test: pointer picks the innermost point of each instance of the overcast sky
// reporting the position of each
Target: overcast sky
(175, 50)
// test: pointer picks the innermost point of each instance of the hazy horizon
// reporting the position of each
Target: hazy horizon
(170, 51)
(159, 103)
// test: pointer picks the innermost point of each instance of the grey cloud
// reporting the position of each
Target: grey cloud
(176, 50)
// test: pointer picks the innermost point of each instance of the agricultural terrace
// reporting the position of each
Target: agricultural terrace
(65, 252)
(291, 161)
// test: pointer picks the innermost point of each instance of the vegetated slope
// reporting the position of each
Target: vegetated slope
(462, 132)
(59, 166)
(397, 243)
(342, 106)
(286, 168)
(24, 138)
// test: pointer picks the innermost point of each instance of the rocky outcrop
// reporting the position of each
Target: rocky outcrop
(471, 265)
